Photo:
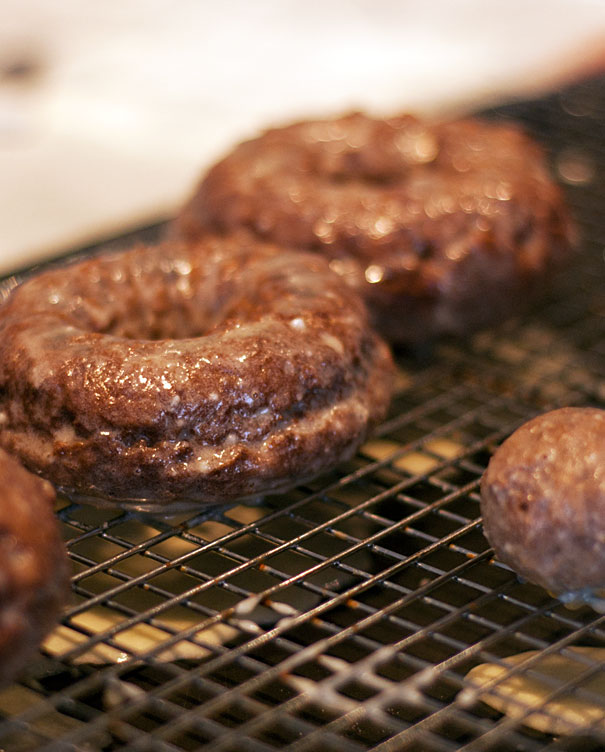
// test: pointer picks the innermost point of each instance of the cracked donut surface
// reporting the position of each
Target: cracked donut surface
(204, 372)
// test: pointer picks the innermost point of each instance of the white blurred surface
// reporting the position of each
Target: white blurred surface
(133, 98)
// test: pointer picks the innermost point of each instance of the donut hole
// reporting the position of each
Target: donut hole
(163, 293)
(353, 169)
(154, 306)
(173, 318)
(156, 329)
(357, 148)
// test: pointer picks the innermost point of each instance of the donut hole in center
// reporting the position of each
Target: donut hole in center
(175, 325)
(166, 313)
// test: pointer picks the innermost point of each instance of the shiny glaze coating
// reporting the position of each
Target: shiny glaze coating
(34, 573)
(172, 374)
(444, 228)
(543, 500)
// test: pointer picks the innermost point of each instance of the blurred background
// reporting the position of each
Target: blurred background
(109, 111)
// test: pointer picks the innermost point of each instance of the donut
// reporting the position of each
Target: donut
(34, 573)
(543, 501)
(444, 228)
(188, 373)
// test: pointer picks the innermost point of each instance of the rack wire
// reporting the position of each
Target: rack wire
(347, 614)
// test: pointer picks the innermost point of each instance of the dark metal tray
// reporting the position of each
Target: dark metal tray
(346, 614)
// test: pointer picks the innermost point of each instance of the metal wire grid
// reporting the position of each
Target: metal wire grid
(346, 614)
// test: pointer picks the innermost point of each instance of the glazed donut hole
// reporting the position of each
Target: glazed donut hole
(543, 503)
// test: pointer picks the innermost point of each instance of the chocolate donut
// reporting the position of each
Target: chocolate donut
(33, 565)
(183, 374)
(543, 501)
(444, 228)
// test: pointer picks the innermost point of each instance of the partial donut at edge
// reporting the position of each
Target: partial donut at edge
(34, 571)
(543, 500)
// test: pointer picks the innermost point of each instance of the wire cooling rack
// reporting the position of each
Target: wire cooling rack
(348, 613)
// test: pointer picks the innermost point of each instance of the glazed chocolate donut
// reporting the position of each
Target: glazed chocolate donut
(178, 374)
(34, 574)
(445, 228)
(543, 501)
